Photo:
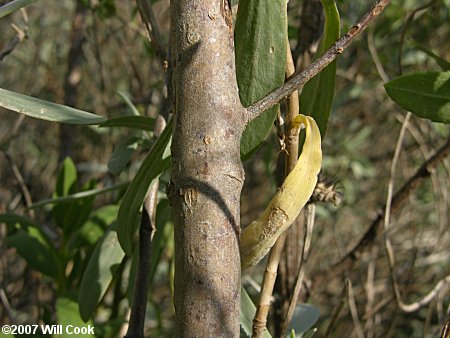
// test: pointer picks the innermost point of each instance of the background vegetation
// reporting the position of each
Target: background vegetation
(114, 56)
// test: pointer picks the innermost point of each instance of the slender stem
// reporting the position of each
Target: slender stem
(153, 32)
(270, 275)
(298, 81)
(147, 230)
(310, 217)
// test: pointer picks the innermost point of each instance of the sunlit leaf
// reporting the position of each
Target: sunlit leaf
(69, 318)
(260, 41)
(46, 110)
(317, 95)
(95, 226)
(155, 162)
(426, 95)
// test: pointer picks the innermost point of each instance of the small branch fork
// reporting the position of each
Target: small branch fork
(296, 82)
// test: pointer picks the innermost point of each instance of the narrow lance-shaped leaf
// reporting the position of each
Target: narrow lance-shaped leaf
(99, 273)
(134, 122)
(260, 40)
(46, 110)
(35, 247)
(78, 195)
(128, 102)
(444, 64)
(248, 310)
(305, 316)
(153, 165)
(13, 6)
(317, 95)
(122, 155)
(426, 95)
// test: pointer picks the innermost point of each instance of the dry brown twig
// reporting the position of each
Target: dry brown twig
(389, 248)
(153, 32)
(310, 217)
(374, 229)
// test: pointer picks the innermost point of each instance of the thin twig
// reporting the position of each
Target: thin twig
(23, 187)
(147, 230)
(297, 81)
(354, 311)
(156, 40)
(337, 311)
(270, 275)
(6, 305)
(21, 35)
(310, 217)
(375, 58)
(146, 233)
(370, 292)
(408, 22)
(153, 32)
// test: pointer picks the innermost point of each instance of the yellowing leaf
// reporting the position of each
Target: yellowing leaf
(297, 188)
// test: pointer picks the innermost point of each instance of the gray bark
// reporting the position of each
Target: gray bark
(207, 173)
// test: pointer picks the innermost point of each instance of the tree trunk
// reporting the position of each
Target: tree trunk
(207, 173)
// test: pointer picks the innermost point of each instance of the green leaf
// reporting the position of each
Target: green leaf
(69, 318)
(155, 163)
(128, 102)
(134, 122)
(425, 94)
(248, 311)
(260, 41)
(34, 246)
(45, 110)
(317, 96)
(99, 273)
(444, 64)
(121, 155)
(66, 184)
(13, 219)
(164, 231)
(305, 316)
(13, 6)
(78, 195)
(95, 226)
